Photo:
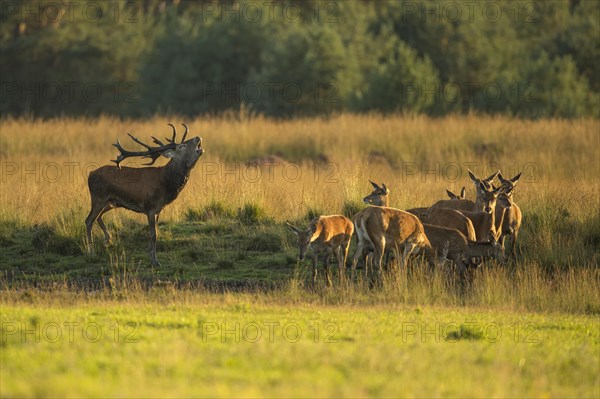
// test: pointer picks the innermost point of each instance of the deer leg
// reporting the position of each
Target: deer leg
(513, 245)
(315, 260)
(408, 248)
(378, 256)
(337, 255)
(107, 235)
(153, 236)
(89, 223)
(328, 253)
(357, 254)
(342, 252)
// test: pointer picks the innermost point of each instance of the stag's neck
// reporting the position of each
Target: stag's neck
(175, 177)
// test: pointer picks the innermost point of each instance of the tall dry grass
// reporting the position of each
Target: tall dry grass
(412, 155)
(45, 165)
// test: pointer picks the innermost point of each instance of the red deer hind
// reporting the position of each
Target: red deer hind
(143, 190)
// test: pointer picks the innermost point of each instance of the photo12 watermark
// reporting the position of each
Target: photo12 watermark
(528, 12)
(468, 331)
(68, 92)
(268, 331)
(56, 12)
(68, 331)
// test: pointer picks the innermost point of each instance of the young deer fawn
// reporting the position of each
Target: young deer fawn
(331, 234)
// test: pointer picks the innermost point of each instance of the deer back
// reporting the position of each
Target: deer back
(452, 219)
(456, 204)
(393, 225)
(438, 237)
(332, 230)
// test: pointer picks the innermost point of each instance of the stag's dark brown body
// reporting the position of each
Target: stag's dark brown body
(138, 189)
(143, 190)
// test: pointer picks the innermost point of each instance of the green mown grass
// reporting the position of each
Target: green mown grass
(238, 345)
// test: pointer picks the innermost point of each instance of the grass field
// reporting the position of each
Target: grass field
(262, 345)
(228, 258)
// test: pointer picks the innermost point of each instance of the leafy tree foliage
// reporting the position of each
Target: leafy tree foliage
(290, 58)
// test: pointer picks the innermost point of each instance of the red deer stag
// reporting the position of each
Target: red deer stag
(143, 190)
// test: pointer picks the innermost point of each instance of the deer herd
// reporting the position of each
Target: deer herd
(456, 229)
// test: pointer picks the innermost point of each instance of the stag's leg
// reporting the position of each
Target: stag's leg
(107, 235)
(96, 210)
(153, 236)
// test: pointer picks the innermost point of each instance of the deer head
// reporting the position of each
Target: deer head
(487, 197)
(463, 194)
(185, 153)
(379, 196)
(304, 237)
(510, 184)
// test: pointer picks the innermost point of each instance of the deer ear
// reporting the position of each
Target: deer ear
(450, 194)
(375, 186)
(515, 179)
(482, 186)
(463, 193)
(501, 178)
(294, 228)
(385, 188)
(491, 177)
(472, 176)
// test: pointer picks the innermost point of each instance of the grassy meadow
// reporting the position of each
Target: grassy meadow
(182, 344)
(227, 257)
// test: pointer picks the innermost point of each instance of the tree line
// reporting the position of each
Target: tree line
(293, 58)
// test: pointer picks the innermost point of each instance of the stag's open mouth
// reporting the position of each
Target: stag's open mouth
(199, 149)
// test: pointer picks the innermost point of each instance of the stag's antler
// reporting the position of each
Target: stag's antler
(152, 152)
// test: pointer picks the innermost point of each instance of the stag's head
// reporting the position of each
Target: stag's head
(379, 196)
(184, 154)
